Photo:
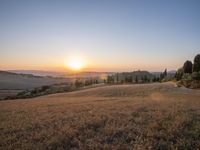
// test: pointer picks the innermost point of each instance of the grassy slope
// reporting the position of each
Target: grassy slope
(112, 117)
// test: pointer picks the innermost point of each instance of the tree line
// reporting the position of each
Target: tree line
(137, 78)
(190, 71)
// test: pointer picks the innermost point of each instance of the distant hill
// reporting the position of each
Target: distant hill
(84, 74)
(14, 81)
(40, 72)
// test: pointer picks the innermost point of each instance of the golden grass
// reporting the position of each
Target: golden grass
(151, 116)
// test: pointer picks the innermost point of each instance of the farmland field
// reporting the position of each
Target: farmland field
(143, 116)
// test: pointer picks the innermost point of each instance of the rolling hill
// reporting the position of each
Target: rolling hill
(143, 116)
(13, 81)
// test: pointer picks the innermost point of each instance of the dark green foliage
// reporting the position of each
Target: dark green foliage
(117, 78)
(44, 88)
(110, 79)
(196, 75)
(155, 79)
(136, 79)
(179, 74)
(78, 83)
(196, 66)
(96, 82)
(129, 79)
(187, 67)
(161, 76)
(145, 78)
(142, 78)
(189, 75)
(88, 82)
(165, 73)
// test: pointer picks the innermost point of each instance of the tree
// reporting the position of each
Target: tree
(161, 76)
(117, 77)
(136, 79)
(196, 66)
(131, 79)
(78, 83)
(128, 79)
(145, 78)
(88, 82)
(154, 79)
(96, 81)
(187, 67)
(179, 74)
(142, 79)
(165, 73)
(110, 79)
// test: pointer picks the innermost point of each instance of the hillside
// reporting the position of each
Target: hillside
(143, 116)
(13, 81)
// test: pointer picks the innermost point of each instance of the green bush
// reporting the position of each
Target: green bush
(196, 75)
(179, 74)
(187, 76)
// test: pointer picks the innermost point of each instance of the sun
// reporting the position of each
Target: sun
(76, 64)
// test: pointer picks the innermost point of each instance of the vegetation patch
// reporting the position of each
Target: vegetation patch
(189, 74)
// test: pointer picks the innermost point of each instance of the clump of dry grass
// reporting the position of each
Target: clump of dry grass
(157, 116)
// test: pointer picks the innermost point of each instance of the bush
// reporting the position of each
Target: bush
(179, 74)
(45, 87)
(196, 75)
(88, 82)
(187, 76)
(110, 79)
(78, 83)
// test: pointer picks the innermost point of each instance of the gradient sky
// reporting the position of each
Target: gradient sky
(110, 35)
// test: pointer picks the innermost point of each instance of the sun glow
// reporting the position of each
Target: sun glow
(76, 64)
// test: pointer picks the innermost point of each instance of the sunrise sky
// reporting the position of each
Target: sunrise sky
(98, 35)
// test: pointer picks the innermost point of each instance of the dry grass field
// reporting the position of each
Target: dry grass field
(146, 116)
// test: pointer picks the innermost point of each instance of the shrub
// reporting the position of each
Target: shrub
(88, 82)
(196, 75)
(45, 87)
(110, 79)
(78, 83)
(179, 74)
(187, 76)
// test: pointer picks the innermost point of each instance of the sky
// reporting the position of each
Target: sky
(105, 35)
